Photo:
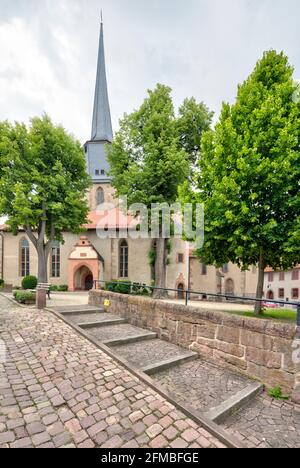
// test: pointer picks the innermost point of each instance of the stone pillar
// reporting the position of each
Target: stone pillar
(41, 296)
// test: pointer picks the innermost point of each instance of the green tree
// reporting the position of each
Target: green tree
(43, 184)
(148, 164)
(249, 174)
(194, 120)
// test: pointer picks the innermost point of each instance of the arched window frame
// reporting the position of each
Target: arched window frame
(100, 196)
(123, 259)
(24, 257)
(55, 260)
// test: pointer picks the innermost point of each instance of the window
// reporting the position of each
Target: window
(123, 259)
(55, 260)
(100, 196)
(25, 259)
(203, 269)
(295, 275)
(271, 277)
(295, 293)
(281, 293)
(281, 276)
(97, 172)
(180, 258)
(102, 172)
(225, 268)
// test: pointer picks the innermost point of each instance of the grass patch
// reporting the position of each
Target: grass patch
(285, 315)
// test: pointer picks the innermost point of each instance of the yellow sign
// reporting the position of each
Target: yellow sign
(106, 303)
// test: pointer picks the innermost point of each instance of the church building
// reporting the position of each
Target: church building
(82, 259)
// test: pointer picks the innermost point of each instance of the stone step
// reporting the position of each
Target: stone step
(148, 336)
(201, 385)
(67, 313)
(87, 317)
(111, 334)
(168, 363)
(101, 323)
(154, 356)
(229, 407)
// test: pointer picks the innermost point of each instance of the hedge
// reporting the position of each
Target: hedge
(127, 287)
(25, 297)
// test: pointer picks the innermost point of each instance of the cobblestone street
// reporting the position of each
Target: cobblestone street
(59, 390)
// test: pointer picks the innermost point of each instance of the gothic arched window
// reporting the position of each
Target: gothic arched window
(100, 196)
(24, 258)
(123, 259)
(55, 260)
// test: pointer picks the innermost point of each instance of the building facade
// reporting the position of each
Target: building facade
(82, 259)
(282, 285)
(226, 280)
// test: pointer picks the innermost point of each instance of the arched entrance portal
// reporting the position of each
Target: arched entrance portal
(83, 279)
(180, 293)
(85, 266)
(229, 287)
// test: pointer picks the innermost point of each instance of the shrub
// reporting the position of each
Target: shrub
(24, 297)
(53, 288)
(139, 289)
(1, 283)
(29, 282)
(126, 287)
(121, 287)
(63, 288)
(277, 394)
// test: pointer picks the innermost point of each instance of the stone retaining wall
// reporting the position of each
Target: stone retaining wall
(263, 349)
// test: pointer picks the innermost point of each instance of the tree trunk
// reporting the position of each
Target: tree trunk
(43, 255)
(160, 268)
(260, 284)
(43, 248)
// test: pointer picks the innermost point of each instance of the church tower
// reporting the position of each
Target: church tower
(102, 134)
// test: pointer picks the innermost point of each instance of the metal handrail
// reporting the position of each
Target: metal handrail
(189, 292)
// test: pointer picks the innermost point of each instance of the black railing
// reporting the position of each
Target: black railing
(187, 293)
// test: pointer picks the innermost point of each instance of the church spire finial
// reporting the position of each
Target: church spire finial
(101, 16)
(102, 126)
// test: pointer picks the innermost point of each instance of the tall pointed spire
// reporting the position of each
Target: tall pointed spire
(102, 127)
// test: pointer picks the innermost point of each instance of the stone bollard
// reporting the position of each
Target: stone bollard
(41, 295)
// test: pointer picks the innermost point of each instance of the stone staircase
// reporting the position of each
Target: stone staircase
(204, 387)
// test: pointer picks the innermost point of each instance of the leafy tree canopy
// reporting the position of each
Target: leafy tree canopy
(249, 173)
(43, 181)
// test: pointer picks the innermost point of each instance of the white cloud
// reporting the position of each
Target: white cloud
(198, 47)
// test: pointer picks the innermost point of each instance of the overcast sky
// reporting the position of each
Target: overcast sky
(201, 48)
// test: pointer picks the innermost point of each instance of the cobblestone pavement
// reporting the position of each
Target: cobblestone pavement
(58, 390)
(115, 332)
(266, 423)
(201, 384)
(149, 352)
